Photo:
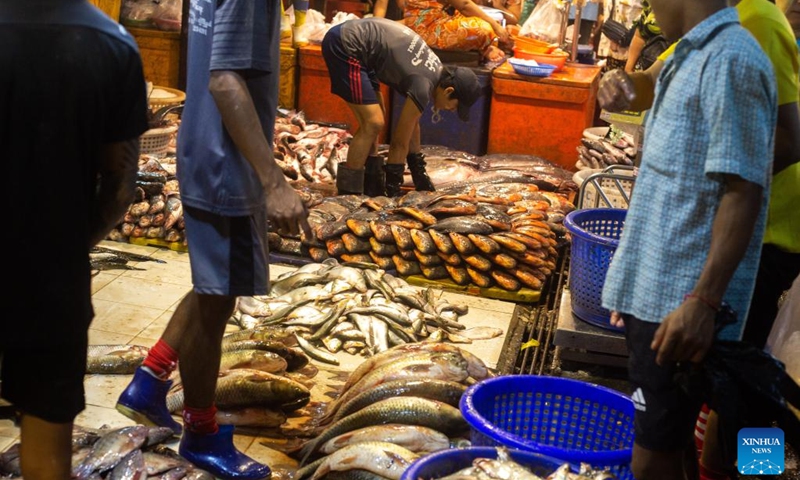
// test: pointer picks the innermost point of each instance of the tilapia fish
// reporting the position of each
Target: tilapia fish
(110, 449)
(241, 388)
(115, 359)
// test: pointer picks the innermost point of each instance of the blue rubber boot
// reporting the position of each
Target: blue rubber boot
(216, 454)
(145, 401)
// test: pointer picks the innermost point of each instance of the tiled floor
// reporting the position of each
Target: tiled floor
(134, 306)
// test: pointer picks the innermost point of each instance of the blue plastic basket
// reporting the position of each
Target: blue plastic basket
(559, 417)
(445, 462)
(595, 236)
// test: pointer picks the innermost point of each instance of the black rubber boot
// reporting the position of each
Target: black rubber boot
(416, 164)
(394, 179)
(349, 181)
(374, 177)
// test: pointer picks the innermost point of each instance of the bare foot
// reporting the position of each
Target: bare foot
(493, 54)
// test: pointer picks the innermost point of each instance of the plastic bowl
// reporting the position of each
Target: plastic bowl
(445, 462)
(532, 45)
(556, 59)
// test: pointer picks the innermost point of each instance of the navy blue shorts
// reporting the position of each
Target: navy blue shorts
(229, 255)
(349, 78)
(665, 413)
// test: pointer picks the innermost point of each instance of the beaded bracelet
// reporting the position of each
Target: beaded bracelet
(702, 299)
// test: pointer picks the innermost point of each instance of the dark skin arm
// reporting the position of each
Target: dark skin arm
(787, 137)
(119, 163)
(238, 112)
(406, 134)
(635, 92)
(379, 10)
(687, 332)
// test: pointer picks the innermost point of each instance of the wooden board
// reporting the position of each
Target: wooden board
(523, 295)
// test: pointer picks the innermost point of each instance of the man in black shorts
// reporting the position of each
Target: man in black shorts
(360, 54)
(72, 107)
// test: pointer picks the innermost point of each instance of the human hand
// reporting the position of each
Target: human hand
(287, 211)
(616, 92)
(616, 320)
(502, 34)
(686, 333)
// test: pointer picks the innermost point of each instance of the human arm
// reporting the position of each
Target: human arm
(469, 9)
(379, 9)
(405, 134)
(687, 332)
(635, 91)
(634, 50)
(239, 116)
(512, 9)
(119, 164)
(787, 137)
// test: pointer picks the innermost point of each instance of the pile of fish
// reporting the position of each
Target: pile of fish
(504, 467)
(330, 307)
(310, 151)
(101, 258)
(157, 211)
(303, 150)
(605, 152)
(128, 453)
(263, 377)
(452, 168)
(395, 407)
(493, 234)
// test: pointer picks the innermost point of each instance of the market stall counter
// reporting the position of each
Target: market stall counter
(542, 116)
(314, 95)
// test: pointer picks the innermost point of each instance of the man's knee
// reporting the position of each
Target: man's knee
(373, 126)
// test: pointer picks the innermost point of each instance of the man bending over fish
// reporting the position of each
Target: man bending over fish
(360, 54)
(230, 187)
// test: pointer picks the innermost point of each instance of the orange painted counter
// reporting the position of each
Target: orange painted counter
(542, 116)
(315, 99)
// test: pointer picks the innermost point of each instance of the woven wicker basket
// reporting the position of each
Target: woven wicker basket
(160, 100)
(156, 140)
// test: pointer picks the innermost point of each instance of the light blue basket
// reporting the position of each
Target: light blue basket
(541, 70)
(559, 417)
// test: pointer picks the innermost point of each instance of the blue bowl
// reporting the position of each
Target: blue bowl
(445, 462)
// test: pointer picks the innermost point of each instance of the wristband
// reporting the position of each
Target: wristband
(702, 299)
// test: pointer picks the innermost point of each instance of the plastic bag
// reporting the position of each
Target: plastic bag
(747, 387)
(545, 21)
(137, 13)
(784, 339)
(167, 16)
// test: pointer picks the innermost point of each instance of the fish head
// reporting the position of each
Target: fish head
(451, 363)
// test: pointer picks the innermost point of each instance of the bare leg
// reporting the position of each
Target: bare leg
(45, 449)
(371, 122)
(195, 331)
(651, 465)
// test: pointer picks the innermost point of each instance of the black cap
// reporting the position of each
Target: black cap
(467, 90)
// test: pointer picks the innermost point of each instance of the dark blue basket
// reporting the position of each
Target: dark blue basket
(595, 236)
(559, 417)
(446, 462)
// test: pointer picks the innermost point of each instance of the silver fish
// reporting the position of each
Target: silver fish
(383, 458)
(110, 449)
(415, 438)
(130, 468)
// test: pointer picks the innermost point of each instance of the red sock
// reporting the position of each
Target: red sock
(162, 360)
(201, 420)
(706, 474)
(700, 429)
